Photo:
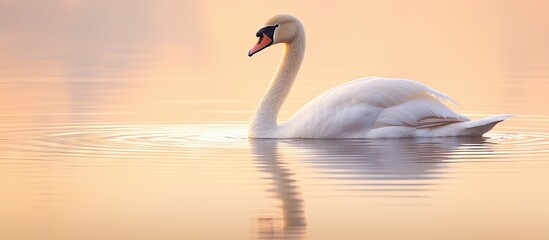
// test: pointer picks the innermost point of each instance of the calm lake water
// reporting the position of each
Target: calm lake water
(128, 121)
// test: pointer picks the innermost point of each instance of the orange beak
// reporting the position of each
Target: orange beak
(263, 42)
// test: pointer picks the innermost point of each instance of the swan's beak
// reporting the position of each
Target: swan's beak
(263, 42)
(266, 38)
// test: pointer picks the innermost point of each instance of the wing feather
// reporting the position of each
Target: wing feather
(369, 103)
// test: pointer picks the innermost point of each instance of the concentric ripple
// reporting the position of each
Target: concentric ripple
(112, 140)
(142, 140)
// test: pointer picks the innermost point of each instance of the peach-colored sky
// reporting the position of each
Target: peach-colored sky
(138, 52)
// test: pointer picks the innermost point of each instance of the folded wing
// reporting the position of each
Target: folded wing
(354, 108)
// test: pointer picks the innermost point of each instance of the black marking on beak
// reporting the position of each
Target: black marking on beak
(268, 30)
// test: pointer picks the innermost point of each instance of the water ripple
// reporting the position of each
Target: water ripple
(129, 141)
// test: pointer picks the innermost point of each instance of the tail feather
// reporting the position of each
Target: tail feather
(481, 126)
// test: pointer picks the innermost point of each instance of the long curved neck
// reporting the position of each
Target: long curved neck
(264, 120)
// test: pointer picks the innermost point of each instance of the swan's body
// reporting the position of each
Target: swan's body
(364, 108)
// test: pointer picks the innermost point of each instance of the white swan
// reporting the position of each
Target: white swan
(370, 107)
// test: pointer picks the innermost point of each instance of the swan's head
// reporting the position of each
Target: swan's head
(282, 28)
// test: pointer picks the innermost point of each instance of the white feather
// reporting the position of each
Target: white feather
(372, 107)
(365, 108)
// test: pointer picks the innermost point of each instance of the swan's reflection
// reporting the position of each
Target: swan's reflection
(285, 189)
(398, 168)
(384, 167)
